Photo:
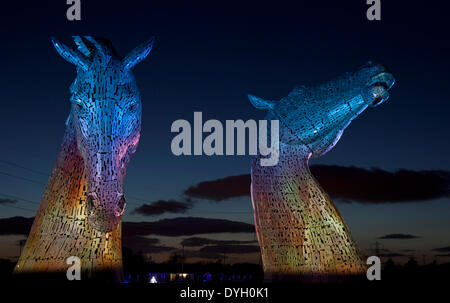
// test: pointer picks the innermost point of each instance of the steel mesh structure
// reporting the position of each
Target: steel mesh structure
(301, 233)
(83, 203)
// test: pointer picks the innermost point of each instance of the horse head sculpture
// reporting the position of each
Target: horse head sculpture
(106, 118)
(301, 233)
(317, 116)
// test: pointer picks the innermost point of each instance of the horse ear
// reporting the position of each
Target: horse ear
(261, 103)
(70, 55)
(138, 54)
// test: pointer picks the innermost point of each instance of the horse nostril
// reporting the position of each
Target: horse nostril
(90, 201)
(121, 204)
(377, 101)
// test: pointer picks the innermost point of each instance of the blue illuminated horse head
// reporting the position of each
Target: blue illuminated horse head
(316, 116)
(106, 118)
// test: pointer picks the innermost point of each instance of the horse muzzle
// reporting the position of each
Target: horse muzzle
(105, 213)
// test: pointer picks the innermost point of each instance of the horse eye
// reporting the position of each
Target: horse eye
(133, 107)
(78, 103)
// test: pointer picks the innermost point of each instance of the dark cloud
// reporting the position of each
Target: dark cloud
(145, 244)
(447, 248)
(198, 241)
(160, 207)
(373, 250)
(220, 251)
(186, 226)
(221, 189)
(183, 226)
(230, 249)
(139, 241)
(399, 236)
(346, 184)
(22, 226)
(391, 255)
(380, 186)
(7, 201)
(15, 226)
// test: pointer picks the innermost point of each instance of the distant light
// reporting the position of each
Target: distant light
(153, 280)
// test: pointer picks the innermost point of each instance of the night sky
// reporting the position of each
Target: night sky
(207, 57)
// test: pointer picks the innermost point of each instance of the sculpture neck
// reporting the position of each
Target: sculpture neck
(299, 229)
(67, 184)
(293, 160)
(290, 175)
(61, 228)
